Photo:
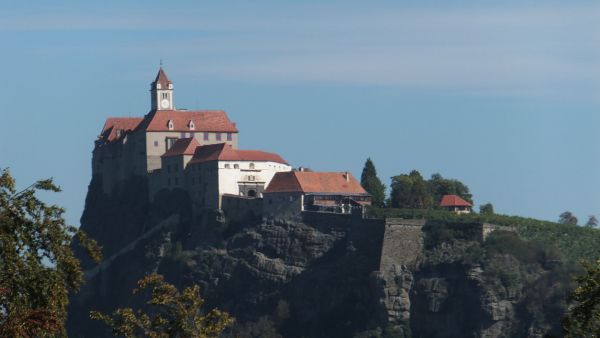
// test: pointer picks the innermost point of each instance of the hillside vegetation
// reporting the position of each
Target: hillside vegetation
(574, 242)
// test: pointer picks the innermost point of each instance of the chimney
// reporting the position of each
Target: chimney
(347, 176)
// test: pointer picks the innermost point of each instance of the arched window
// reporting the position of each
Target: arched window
(170, 125)
(191, 125)
(251, 193)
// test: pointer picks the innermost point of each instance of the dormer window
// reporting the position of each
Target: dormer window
(170, 86)
(170, 125)
(158, 86)
(191, 125)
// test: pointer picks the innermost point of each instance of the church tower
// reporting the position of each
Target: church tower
(161, 92)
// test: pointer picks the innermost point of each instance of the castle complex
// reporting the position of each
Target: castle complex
(197, 151)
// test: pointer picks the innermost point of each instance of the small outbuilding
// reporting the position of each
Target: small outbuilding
(455, 204)
(291, 193)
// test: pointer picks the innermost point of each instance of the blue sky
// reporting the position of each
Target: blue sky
(503, 95)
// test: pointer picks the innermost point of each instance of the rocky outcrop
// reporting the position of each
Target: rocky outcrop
(337, 276)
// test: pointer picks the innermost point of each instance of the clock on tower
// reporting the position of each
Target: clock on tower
(161, 92)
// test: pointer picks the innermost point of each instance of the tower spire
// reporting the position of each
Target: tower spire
(161, 91)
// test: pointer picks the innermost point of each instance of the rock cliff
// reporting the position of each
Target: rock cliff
(327, 276)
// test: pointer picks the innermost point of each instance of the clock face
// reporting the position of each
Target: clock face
(164, 103)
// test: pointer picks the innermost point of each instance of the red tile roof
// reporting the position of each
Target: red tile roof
(315, 182)
(183, 146)
(224, 152)
(114, 124)
(162, 78)
(454, 201)
(204, 120)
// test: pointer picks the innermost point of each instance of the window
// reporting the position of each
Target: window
(158, 86)
(170, 125)
(229, 137)
(218, 136)
(170, 141)
(191, 125)
(251, 178)
(236, 166)
(251, 165)
(205, 136)
(227, 166)
(156, 143)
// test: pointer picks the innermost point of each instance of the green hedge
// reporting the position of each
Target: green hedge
(574, 242)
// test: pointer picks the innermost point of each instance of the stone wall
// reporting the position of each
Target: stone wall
(487, 229)
(401, 250)
(283, 206)
(239, 208)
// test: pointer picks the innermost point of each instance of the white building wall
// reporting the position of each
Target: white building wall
(232, 173)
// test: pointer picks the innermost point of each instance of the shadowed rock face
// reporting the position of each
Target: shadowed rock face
(340, 276)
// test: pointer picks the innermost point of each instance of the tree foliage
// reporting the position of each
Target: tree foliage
(583, 319)
(413, 192)
(175, 314)
(487, 208)
(372, 183)
(567, 217)
(410, 191)
(440, 186)
(37, 266)
(592, 222)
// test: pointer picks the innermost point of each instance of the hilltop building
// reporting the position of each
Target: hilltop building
(197, 151)
(134, 146)
(291, 193)
(455, 204)
(208, 172)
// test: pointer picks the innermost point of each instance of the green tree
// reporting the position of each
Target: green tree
(567, 217)
(486, 209)
(583, 318)
(401, 190)
(174, 314)
(37, 266)
(372, 184)
(410, 192)
(592, 222)
(440, 186)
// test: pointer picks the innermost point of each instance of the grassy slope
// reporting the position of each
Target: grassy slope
(574, 242)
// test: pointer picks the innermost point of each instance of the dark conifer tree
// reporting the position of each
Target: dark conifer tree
(372, 184)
